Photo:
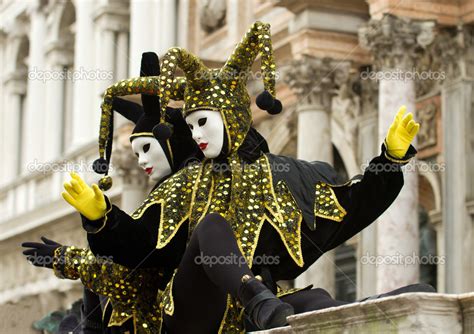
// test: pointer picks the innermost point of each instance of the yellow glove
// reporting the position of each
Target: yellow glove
(401, 133)
(90, 202)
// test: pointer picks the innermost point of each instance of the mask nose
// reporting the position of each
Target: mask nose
(197, 134)
(142, 160)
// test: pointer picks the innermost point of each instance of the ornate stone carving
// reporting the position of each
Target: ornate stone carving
(369, 92)
(346, 103)
(213, 15)
(427, 134)
(428, 77)
(125, 163)
(312, 79)
(452, 52)
(396, 43)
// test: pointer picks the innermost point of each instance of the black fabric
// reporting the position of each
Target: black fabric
(148, 121)
(199, 280)
(132, 243)
(150, 66)
(91, 313)
(183, 147)
(311, 300)
(130, 110)
(108, 146)
(69, 325)
(301, 176)
(253, 146)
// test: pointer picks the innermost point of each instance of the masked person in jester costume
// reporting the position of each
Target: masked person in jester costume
(237, 208)
(135, 309)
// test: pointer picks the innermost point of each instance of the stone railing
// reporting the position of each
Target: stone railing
(43, 183)
(407, 313)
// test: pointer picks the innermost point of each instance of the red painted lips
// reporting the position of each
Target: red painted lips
(203, 146)
(148, 170)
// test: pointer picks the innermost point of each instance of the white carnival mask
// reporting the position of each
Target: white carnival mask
(207, 129)
(151, 157)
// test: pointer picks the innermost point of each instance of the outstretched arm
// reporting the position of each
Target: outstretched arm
(380, 185)
(131, 242)
(98, 274)
(112, 232)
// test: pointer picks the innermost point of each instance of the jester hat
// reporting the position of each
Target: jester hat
(223, 90)
(178, 148)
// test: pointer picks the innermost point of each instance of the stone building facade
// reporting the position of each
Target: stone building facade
(344, 69)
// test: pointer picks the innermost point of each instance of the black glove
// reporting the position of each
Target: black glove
(41, 254)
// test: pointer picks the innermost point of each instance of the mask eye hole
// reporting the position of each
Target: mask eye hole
(202, 121)
(146, 147)
(191, 126)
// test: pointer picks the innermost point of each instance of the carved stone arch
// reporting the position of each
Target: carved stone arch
(17, 47)
(427, 175)
(345, 149)
(61, 14)
(21, 51)
(280, 133)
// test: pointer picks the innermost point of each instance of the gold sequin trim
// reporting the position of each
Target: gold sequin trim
(326, 204)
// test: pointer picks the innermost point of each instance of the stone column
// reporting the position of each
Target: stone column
(86, 105)
(368, 147)
(143, 36)
(3, 113)
(395, 45)
(122, 56)
(166, 25)
(111, 49)
(112, 26)
(436, 219)
(58, 56)
(152, 28)
(453, 50)
(15, 90)
(312, 80)
(35, 107)
(238, 17)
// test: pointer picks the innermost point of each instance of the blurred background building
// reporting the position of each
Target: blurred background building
(345, 67)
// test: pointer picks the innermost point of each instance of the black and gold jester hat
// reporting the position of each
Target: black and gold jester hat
(223, 89)
(145, 118)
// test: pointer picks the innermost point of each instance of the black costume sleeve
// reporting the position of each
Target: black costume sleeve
(131, 242)
(366, 200)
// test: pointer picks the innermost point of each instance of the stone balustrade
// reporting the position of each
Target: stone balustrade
(406, 313)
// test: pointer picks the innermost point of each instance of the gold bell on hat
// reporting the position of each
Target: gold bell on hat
(105, 183)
